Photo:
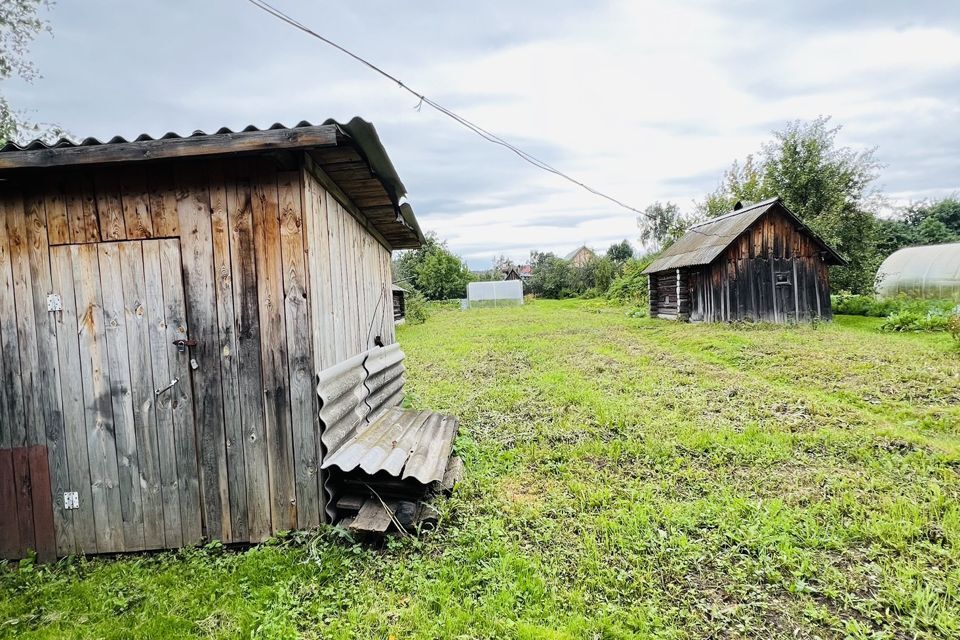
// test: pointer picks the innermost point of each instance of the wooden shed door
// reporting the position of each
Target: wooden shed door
(128, 398)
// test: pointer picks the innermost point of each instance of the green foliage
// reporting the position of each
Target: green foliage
(826, 185)
(625, 478)
(20, 23)
(913, 320)
(416, 306)
(551, 277)
(662, 224)
(954, 326)
(433, 270)
(919, 224)
(620, 252)
(872, 306)
(632, 286)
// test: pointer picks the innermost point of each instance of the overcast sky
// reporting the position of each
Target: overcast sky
(645, 100)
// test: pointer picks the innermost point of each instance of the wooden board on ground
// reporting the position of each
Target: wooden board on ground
(374, 516)
(452, 475)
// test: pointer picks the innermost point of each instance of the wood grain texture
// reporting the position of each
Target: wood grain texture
(52, 435)
(109, 207)
(10, 547)
(135, 199)
(300, 358)
(162, 373)
(24, 492)
(12, 432)
(30, 431)
(182, 393)
(193, 212)
(235, 526)
(276, 384)
(72, 397)
(121, 397)
(81, 206)
(249, 346)
(98, 406)
(192, 146)
(142, 386)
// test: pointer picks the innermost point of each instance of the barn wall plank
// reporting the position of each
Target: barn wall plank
(55, 203)
(142, 392)
(30, 431)
(300, 357)
(12, 432)
(53, 436)
(250, 391)
(72, 397)
(24, 493)
(10, 547)
(193, 212)
(156, 315)
(276, 394)
(182, 393)
(234, 526)
(121, 398)
(135, 201)
(81, 210)
(109, 207)
(98, 408)
(163, 202)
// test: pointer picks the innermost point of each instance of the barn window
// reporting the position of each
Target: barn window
(783, 278)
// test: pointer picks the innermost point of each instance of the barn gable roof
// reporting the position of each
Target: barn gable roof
(351, 154)
(704, 242)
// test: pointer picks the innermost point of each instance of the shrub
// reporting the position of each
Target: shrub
(417, 308)
(632, 285)
(953, 326)
(913, 320)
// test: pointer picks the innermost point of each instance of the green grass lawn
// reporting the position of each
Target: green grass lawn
(625, 478)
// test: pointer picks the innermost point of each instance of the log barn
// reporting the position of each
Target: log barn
(166, 307)
(757, 263)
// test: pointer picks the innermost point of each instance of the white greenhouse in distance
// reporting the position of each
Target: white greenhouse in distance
(931, 271)
(500, 293)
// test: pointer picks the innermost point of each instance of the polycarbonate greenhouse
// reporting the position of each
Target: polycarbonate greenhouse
(494, 294)
(932, 271)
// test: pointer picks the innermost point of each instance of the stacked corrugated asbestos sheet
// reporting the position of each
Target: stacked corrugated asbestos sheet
(382, 463)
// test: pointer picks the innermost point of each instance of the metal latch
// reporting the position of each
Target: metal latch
(157, 392)
(71, 500)
(54, 302)
(182, 345)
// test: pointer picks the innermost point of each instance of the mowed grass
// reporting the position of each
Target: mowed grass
(625, 478)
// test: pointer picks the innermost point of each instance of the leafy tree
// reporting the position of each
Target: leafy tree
(433, 270)
(20, 23)
(919, 224)
(592, 278)
(826, 185)
(620, 252)
(550, 277)
(661, 225)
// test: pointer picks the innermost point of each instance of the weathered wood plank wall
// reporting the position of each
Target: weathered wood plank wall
(273, 276)
(772, 273)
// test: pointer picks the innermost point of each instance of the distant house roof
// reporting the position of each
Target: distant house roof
(705, 241)
(573, 253)
(351, 154)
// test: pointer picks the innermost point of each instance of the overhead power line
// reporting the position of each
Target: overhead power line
(477, 129)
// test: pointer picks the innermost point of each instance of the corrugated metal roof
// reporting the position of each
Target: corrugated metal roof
(359, 133)
(403, 443)
(705, 241)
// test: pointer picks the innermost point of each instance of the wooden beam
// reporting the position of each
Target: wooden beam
(192, 146)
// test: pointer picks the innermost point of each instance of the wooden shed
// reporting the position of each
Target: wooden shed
(757, 263)
(166, 306)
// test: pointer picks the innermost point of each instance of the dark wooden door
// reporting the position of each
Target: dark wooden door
(128, 397)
